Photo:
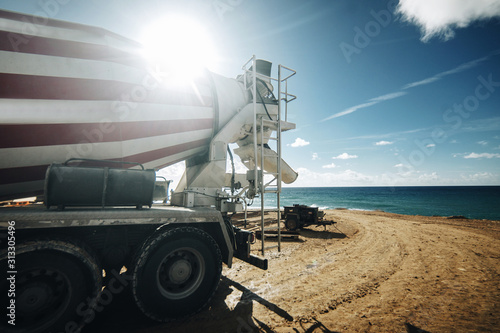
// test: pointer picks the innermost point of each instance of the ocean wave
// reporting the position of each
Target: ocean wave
(320, 207)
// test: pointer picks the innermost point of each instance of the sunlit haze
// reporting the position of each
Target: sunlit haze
(179, 46)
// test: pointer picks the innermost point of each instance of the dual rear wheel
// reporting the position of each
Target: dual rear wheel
(51, 280)
(176, 273)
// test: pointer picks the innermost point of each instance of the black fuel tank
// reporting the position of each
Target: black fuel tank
(70, 185)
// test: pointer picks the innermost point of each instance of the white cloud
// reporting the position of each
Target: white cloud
(315, 156)
(480, 125)
(350, 110)
(311, 178)
(485, 178)
(439, 18)
(299, 143)
(386, 135)
(482, 155)
(383, 143)
(387, 97)
(344, 156)
(439, 76)
(423, 82)
(428, 178)
(482, 143)
(329, 166)
(370, 102)
(407, 177)
(430, 145)
(463, 67)
(400, 165)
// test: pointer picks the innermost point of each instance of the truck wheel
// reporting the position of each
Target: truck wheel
(292, 223)
(53, 279)
(176, 273)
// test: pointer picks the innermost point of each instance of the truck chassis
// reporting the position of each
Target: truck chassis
(173, 258)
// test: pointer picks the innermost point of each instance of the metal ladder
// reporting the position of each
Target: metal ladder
(274, 185)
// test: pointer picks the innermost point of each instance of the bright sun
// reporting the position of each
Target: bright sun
(179, 46)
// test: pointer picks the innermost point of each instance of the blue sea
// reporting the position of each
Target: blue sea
(475, 202)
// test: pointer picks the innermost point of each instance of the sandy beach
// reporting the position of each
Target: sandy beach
(369, 272)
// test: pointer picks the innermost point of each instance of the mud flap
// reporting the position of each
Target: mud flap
(255, 261)
(243, 240)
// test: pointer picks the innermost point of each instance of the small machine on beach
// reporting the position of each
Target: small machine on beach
(299, 216)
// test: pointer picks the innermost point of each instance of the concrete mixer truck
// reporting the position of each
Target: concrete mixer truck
(85, 123)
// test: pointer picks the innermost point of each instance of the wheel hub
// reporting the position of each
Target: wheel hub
(180, 271)
(41, 291)
(34, 298)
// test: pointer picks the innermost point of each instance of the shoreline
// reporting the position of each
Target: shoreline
(457, 217)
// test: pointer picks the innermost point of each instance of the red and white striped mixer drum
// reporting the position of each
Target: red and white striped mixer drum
(74, 91)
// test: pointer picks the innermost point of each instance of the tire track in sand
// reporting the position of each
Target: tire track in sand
(448, 280)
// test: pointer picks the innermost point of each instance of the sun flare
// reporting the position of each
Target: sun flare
(179, 46)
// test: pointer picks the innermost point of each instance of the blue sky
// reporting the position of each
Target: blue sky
(389, 92)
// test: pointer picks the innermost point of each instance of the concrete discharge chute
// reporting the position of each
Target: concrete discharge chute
(288, 175)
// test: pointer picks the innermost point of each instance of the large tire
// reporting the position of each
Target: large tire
(54, 277)
(176, 273)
